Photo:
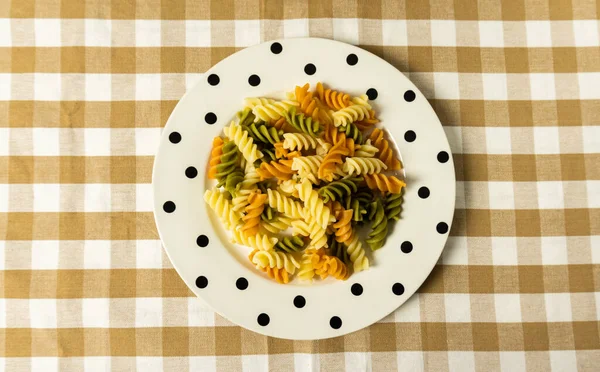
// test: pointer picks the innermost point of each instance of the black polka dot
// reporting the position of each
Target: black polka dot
(263, 319)
(191, 172)
(169, 207)
(213, 79)
(409, 96)
(443, 156)
(352, 59)
(410, 136)
(310, 69)
(356, 289)
(202, 241)
(210, 118)
(372, 93)
(442, 227)
(241, 284)
(398, 289)
(174, 137)
(201, 282)
(276, 48)
(254, 80)
(299, 302)
(423, 192)
(406, 247)
(335, 322)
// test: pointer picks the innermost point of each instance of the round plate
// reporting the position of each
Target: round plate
(219, 271)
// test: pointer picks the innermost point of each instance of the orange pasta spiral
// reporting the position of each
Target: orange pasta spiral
(215, 157)
(280, 124)
(332, 98)
(343, 228)
(281, 169)
(279, 275)
(332, 160)
(253, 210)
(332, 135)
(329, 265)
(366, 123)
(385, 154)
(384, 183)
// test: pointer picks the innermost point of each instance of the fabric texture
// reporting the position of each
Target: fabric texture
(86, 86)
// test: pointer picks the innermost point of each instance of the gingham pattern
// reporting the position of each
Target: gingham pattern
(86, 86)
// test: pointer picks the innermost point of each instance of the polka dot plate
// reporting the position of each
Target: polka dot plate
(220, 273)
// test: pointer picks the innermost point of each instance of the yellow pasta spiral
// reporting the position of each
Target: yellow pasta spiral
(332, 160)
(254, 209)
(367, 123)
(285, 205)
(245, 143)
(314, 206)
(308, 167)
(358, 166)
(271, 110)
(309, 258)
(316, 233)
(385, 151)
(215, 157)
(384, 183)
(349, 115)
(333, 99)
(277, 224)
(343, 227)
(222, 207)
(298, 141)
(357, 254)
(280, 169)
(275, 260)
(366, 150)
(259, 241)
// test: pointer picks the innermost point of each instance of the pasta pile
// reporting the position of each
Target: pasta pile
(314, 164)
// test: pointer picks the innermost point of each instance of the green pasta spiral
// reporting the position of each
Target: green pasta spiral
(268, 213)
(393, 206)
(339, 250)
(379, 225)
(232, 180)
(230, 159)
(359, 202)
(338, 189)
(302, 123)
(264, 133)
(269, 156)
(246, 117)
(290, 244)
(352, 131)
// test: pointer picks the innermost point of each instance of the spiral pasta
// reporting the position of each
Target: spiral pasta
(259, 241)
(385, 152)
(215, 157)
(285, 205)
(333, 99)
(384, 183)
(244, 143)
(222, 207)
(314, 207)
(297, 178)
(360, 166)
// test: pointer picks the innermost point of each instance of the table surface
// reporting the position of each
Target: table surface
(85, 88)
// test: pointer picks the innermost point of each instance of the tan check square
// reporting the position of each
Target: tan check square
(85, 88)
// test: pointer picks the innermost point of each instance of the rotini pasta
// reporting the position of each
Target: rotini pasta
(297, 178)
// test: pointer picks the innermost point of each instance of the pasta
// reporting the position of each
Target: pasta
(298, 179)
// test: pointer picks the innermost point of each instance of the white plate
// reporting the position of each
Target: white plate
(212, 272)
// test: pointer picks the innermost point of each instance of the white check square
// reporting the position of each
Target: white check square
(456, 251)
(247, 32)
(542, 86)
(147, 87)
(42, 313)
(5, 87)
(4, 197)
(97, 197)
(44, 364)
(502, 195)
(46, 142)
(554, 250)
(97, 141)
(346, 30)
(593, 193)
(591, 139)
(96, 312)
(459, 361)
(495, 87)
(586, 32)
(143, 197)
(197, 33)
(443, 33)
(251, 363)
(410, 361)
(458, 307)
(199, 314)
(44, 254)
(508, 307)
(47, 32)
(563, 360)
(550, 195)
(148, 254)
(148, 312)
(512, 361)
(558, 307)
(46, 197)
(203, 363)
(504, 251)
(46, 87)
(2, 301)
(446, 85)
(295, 27)
(96, 363)
(546, 140)
(96, 254)
(498, 140)
(5, 33)
(98, 32)
(147, 141)
(147, 363)
(538, 34)
(454, 136)
(588, 85)
(410, 312)
(491, 34)
(98, 87)
(147, 33)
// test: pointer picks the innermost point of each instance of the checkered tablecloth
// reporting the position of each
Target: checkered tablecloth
(86, 86)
